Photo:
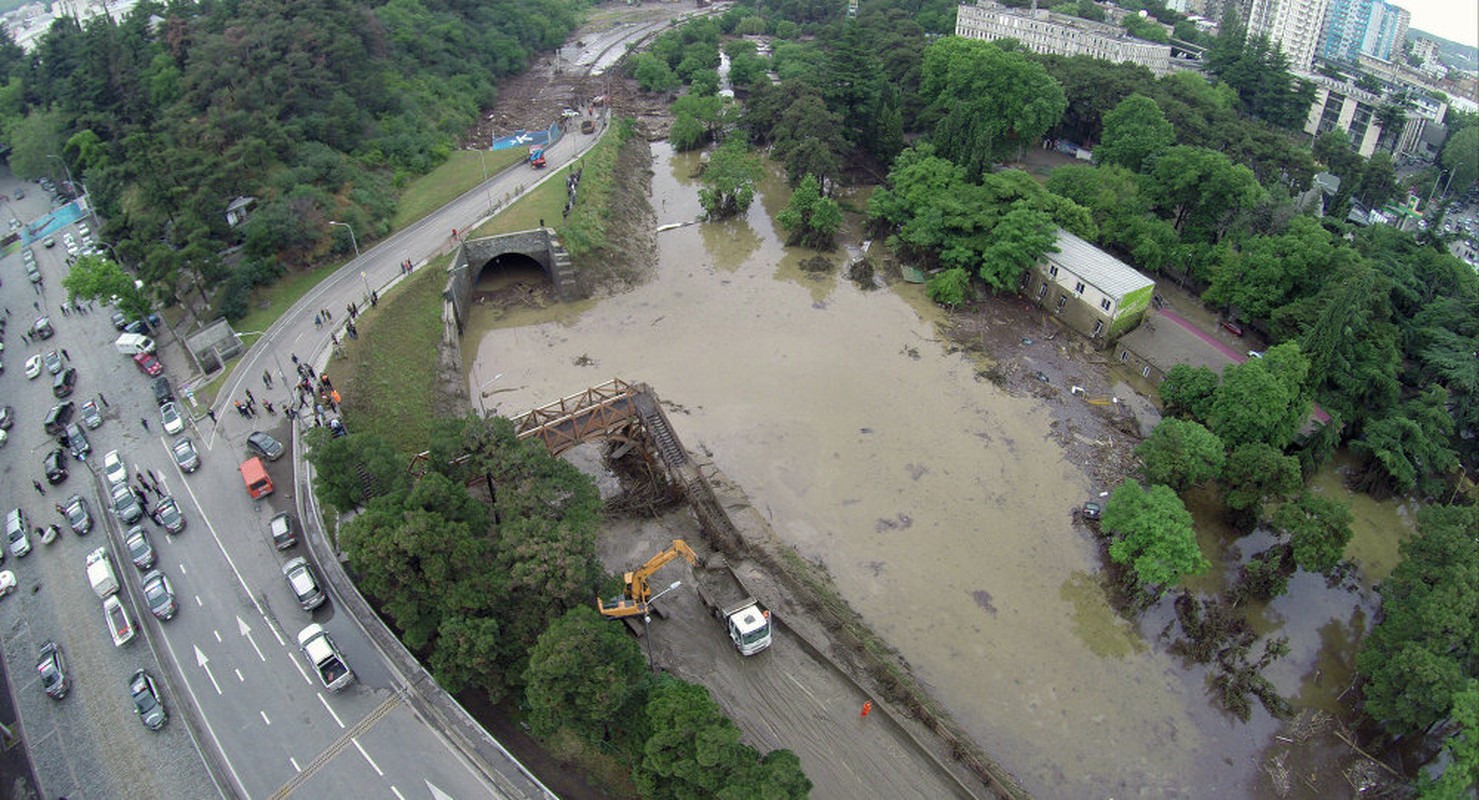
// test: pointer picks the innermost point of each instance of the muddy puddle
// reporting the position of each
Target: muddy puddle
(940, 504)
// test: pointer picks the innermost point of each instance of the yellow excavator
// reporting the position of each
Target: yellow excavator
(638, 592)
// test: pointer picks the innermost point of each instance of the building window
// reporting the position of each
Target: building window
(1062, 301)
(1042, 290)
(1105, 304)
(1098, 328)
(1145, 373)
(1053, 270)
(1078, 288)
(1124, 356)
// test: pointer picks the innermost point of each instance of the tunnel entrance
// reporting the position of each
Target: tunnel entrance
(513, 279)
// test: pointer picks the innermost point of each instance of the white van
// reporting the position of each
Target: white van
(131, 344)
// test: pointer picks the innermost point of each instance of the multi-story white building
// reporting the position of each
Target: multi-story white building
(1043, 31)
(1386, 32)
(1294, 25)
(1340, 105)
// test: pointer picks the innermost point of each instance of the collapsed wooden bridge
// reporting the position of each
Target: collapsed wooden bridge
(630, 414)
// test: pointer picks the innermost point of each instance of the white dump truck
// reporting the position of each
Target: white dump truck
(100, 573)
(743, 618)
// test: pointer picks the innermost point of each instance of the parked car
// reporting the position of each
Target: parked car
(17, 533)
(140, 549)
(49, 241)
(160, 596)
(304, 583)
(92, 416)
(119, 320)
(114, 469)
(79, 516)
(284, 531)
(58, 417)
(1233, 328)
(170, 416)
(53, 361)
(149, 365)
(64, 383)
(7, 417)
(260, 444)
(41, 328)
(16, 527)
(168, 515)
(55, 465)
(1092, 510)
(34, 365)
(125, 505)
(53, 670)
(77, 441)
(186, 456)
(147, 705)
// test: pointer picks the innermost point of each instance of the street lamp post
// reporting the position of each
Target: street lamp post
(352, 240)
(482, 394)
(366, 281)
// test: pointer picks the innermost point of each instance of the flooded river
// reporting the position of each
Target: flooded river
(939, 503)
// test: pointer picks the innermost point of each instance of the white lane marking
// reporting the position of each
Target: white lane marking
(397, 792)
(183, 571)
(373, 765)
(239, 676)
(247, 632)
(264, 717)
(222, 547)
(294, 762)
(300, 671)
(218, 637)
(204, 664)
(330, 709)
(198, 602)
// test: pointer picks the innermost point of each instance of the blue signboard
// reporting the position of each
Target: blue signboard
(523, 138)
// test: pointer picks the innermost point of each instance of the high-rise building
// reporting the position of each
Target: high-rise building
(1293, 25)
(1345, 29)
(1387, 32)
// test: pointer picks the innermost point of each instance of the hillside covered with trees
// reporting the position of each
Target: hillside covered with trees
(319, 109)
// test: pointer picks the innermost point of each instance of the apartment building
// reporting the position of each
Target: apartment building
(1043, 31)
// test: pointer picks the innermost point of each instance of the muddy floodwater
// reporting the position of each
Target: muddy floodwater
(939, 503)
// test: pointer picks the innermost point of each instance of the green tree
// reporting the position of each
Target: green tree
(653, 74)
(1189, 391)
(99, 279)
(695, 751)
(1460, 157)
(469, 654)
(33, 139)
(729, 180)
(1179, 454)
(1424, 650)
(1461, 749)
(1020, 239)
(423, 565)
(1408, 445)
(1202, 190)
(1153, 535)
(989, 102)
(1267, 272)
(1262, 399)
(583, 672)
(1135, 134)
(811, 219)
(1255, 474)
(351, 470)
(1319, 529)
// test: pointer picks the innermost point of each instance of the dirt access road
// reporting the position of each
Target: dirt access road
(788, 696)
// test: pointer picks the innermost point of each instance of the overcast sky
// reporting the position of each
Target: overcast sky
(1452, 19)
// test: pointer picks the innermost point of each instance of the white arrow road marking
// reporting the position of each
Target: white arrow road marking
(436, 792)
(247, 632)
(204, 664)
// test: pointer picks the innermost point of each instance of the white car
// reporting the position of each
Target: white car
(114, 468)
(173, 423)
(33, 366)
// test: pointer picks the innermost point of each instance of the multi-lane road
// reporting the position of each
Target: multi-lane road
(247, 714)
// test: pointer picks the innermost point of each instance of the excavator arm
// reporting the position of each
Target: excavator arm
(638, 592)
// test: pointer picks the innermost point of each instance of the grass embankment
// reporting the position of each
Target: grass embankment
(388, 376)
(460, 172)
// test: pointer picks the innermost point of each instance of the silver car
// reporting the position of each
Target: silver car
(159, 595)
(186, 456)
(125, 504)
(304, 583)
